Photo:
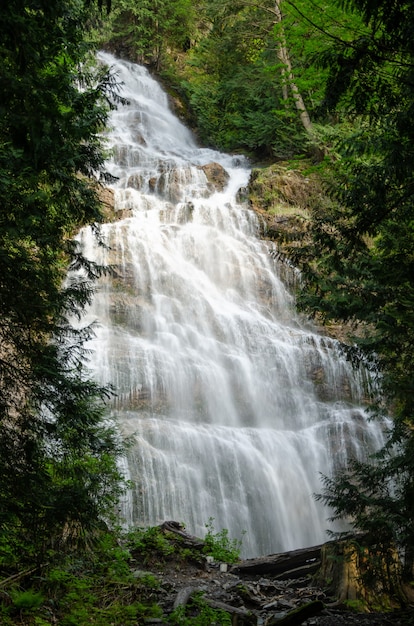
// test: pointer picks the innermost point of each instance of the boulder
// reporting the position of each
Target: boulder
(216, 175)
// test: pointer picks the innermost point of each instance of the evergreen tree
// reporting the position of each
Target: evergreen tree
(58, 467)
(233, 80)
(360, 265)
(248, 74)
(146, 29)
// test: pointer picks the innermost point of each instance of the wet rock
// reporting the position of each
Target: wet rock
(135, 181)
(216, 175)
(107, 198)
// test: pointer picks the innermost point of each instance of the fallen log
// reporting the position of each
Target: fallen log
(299, 572)
(233, 610)
(183, 596)
(295, 562)
(297, 616)
(178, 529)
(246, 618)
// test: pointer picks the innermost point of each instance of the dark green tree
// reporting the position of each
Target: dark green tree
(359, 267)
(249, 76)
(145, 30)
(233, 81)
(58, 465)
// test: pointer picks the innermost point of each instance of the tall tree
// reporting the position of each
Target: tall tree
(249, 75)
(287, 71)
(233, 80)
(58, 467)
(360, 266)
(146, 29)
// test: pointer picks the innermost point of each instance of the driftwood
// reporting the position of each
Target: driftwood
(298, 616)
(177, 529)
(233, 610)
(293, 564)
(183, 596)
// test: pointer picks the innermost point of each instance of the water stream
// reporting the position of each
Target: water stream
(236, 404)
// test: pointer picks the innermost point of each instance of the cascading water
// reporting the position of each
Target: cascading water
(236, 405)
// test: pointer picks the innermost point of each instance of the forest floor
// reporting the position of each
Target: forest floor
(265, 599)
(252, 599)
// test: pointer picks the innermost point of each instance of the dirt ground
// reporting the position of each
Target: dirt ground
(259, 599)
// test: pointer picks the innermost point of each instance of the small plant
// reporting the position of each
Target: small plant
(39, 621)
(149, 580)
(146, 541)
(199, 613)
(358, 606)
(26, 601)
(220, 546)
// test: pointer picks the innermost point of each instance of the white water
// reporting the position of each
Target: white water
(235, 404)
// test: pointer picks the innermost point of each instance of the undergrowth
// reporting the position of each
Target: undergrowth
(220, 546)
(198, 613)
(108, 583)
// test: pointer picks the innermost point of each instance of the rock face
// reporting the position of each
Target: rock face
(282, 197)
(279, 187)
(107, 197)
(168, 183)
(216, 175)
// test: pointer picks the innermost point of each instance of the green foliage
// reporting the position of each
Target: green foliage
(95, 587)
(238, 111)
(147, 542)
(235, 83)
(232, 88)
(149, 581)
(58, 469)
(355, 605)
(26, 601)
(220, 546)
(200, 614)
(147, 29)
(154, 543)
(312, 29)
(359, 266)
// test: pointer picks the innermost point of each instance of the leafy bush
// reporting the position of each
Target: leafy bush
(220, 546)
(146, 541)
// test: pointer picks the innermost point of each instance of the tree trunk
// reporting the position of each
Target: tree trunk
(287, 73)
(361, 577)
(353, 575)
(297, 616)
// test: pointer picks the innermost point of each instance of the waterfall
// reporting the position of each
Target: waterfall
(234, 403)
